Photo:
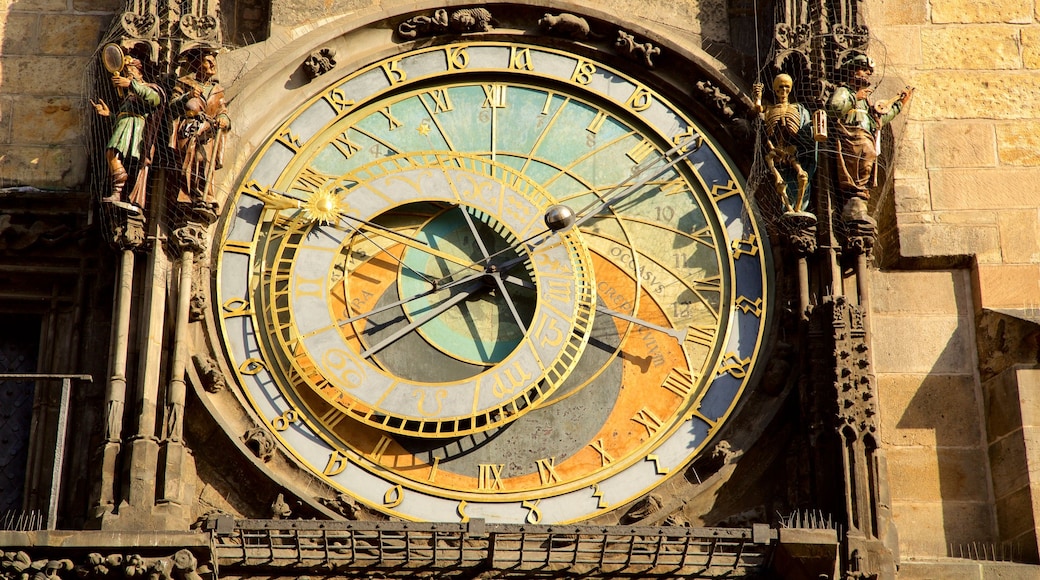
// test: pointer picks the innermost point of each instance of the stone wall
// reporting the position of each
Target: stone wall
(45, 46)
(968, 170)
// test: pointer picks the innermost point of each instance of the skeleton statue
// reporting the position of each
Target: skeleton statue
(791, 137)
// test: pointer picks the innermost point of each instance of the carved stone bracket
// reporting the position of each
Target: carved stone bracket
(799, 231)
(213, 379)
(260, 441)
(641, 52)
(182, 565)
(191, 237)
(715, 97)
(320, 62)
(565, 25)
(459, 22)
(126, 230)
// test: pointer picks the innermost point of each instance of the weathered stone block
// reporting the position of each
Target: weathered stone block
(1002, 408)
(922, 474)
(984, 189)
(926, 529)
(71, 34)
(1012, 11)
(946, 569)
(98, 5)
(1007, 285)
(64, 166)
(46, 120)
(965, 144)
(911, 195)
(1031, 44)
(1020, 235)
(1015, 514)
(936, 292)
(929, 410)
(1018, 143)
(903, 44)
(44, 75)
(928, 344)
(938, 239)
(895, 12)
(1007, 459)
(909, 150)
(989, 95)
(984, 47)
(19, 31)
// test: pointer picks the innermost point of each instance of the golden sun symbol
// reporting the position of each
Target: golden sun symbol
(322, 206)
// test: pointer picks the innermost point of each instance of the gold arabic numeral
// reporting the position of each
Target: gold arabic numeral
(461, 510)
(640, 151)
(236, 307)
(605, 458)
(680, 138)
(745, 247)
(657, 464)
(393, 496)
(680, 382)
(735, 366)
(534, 515)
(434, 469)
(547, 471)
(380, 449)
(390, 118)
(520, 59)
(441, 100)
(282, 422)
(338, 99)
(344, 366)
(549, 337)
(700, 335)
(750, 306)
(394, 73)
(583, 72)
(289, 139)
(601, 503)
(649, 420)
(345, 145)
(640, 100)
(332, 417)
(337, 463)
(252, 366)
(494, 96)
(458, 57)
(490, 476)
(518, 380)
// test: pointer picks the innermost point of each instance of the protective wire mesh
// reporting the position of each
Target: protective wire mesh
(803, 134)
(163, 143)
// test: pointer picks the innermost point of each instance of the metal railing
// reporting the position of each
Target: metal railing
(63, 425)
(620, 550)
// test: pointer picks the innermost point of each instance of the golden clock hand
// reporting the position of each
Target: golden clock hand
(615, 194)
(412, 243)
(509, 301)
(434, 313)
(679, 335)
(386, 307)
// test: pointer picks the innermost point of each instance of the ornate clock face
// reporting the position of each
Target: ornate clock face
(403, 317)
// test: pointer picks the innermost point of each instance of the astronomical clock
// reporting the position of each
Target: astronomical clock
(491, 280)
